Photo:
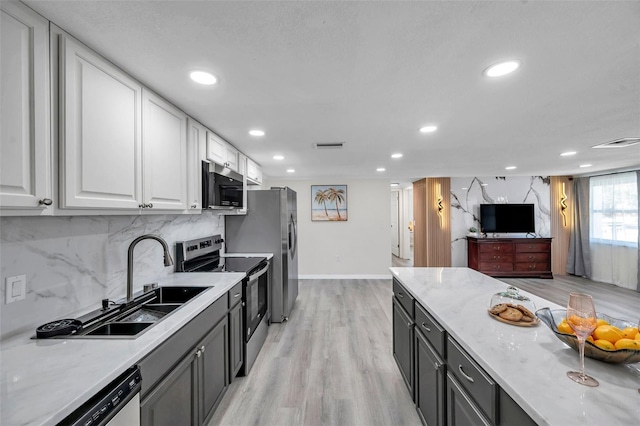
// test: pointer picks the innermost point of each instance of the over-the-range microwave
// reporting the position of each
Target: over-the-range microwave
(222, 188)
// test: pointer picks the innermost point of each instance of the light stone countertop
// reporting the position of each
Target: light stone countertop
(43, 381)
(529, 363)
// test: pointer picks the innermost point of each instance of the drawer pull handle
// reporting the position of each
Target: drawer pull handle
(496, 247)
(198, 353)
(496, 266)
(466, 376)
(438, 365)
(496, 257)
(426, 328)
(236, 295)
(532, 257)
(400, 295)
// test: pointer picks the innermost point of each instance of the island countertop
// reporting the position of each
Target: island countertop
(529, 363)
(43, 381)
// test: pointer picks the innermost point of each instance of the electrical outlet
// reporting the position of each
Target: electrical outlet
(15, 288)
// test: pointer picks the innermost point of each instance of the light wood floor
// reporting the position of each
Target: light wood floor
(332, 363)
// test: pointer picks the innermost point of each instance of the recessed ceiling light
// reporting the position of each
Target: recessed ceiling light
(203, 77)
(397, 155)
(484, 184)
(585, 165)
(510, 168)
(380, 169)
(278, 157)
(395, 184)
(428, 129)
(464, 189)
(568, 153)
(502, 68)
(291, 170)
(256, 132)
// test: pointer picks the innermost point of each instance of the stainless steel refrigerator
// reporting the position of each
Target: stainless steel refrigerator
(270, 226)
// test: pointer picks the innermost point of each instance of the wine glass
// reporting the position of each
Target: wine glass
(581, 316)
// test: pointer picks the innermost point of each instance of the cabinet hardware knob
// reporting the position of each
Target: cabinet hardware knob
(202, 348)
(408, 324)
(438, 365)
(198, 353)
(426, 328)
(45, 202)
(194, 205)
(150, 205)
(141, 206)
(466, 376)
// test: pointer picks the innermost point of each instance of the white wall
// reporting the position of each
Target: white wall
(357, 248)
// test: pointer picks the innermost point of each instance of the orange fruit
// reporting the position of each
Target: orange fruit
(629, 332)
(590, 339)
(628, 344)
(604, 344)
(579, 323)
(564, 327)
(600, 322)
(637, 337)
(608, 332)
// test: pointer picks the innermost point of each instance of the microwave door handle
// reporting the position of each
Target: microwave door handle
(259, 273)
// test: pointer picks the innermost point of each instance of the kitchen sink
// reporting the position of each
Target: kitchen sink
(130, 321)
(120, 329)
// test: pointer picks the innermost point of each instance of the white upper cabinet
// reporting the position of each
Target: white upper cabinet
(254, 172)
(196, 146)
(220, 152)
(164, 154)
(25, 153)
(101, 137)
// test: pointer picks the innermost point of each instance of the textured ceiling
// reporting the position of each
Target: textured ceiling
(370, 74)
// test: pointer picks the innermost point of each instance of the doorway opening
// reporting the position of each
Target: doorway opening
(402, 227)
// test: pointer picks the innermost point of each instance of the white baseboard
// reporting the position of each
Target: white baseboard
(345, 277)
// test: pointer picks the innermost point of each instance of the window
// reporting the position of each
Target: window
(614, 209)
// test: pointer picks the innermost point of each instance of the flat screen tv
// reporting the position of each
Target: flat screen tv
(505, 218)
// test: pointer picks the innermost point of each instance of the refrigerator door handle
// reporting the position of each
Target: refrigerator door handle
(293, 236)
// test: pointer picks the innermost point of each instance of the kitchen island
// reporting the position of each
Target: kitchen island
(42, 381)
(528, 363)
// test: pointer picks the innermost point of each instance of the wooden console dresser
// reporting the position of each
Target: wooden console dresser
(510, 257)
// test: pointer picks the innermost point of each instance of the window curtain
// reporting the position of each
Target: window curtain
(579, 259)
(613, 232)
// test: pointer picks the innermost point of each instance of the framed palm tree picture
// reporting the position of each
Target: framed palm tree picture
(329, 202)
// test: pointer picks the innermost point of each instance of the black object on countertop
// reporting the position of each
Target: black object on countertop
(58, 328)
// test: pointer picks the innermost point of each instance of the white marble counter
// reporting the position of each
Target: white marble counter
(529, 363)
(42, 381)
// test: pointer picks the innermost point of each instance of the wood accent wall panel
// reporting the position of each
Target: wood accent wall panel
(432, 233)
(559, 231)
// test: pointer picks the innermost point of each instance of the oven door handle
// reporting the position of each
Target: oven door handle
(259, 273)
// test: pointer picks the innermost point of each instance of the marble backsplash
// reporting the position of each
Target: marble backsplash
(468, 193)
(72, 263)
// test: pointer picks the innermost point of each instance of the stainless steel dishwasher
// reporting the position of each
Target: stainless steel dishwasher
(117, 404)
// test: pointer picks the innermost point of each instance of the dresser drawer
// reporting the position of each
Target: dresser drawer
(532, 247)
(532, 267)
(405, 299)
(482, 389)
(431, 329)
(497, 247)
(496, 266)
(532, 257)
(496, 257)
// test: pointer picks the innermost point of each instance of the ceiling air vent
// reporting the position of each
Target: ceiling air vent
(329, 145)
(619, 143)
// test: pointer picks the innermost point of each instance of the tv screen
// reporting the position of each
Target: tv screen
(507, 218)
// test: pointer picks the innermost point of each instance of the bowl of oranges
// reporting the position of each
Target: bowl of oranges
(614, 340)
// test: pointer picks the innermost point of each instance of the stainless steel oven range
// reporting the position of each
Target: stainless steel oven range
(203, 255)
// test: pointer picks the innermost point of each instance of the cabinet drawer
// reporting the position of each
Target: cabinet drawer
(235, 295)
(496, 257)
(496, 267)
(496, 247)
(482, 389)
(532, 266)
(532, 247)
(532, 257)
(403, 296)
(430, 329)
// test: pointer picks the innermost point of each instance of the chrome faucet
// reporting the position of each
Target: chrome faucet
(167, 261)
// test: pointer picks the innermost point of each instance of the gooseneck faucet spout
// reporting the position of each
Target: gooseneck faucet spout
(167, 260)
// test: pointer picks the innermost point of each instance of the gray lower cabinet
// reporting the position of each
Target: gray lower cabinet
(190, 393)
(461, 411)
(429, 384)
(403, 343)
(236, 336)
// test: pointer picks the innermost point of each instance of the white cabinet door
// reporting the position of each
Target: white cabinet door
(100, 158)
(196, 144)
(164, 154)
(25, 168)
(216, 149)
(232, 158)
(254, 172)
